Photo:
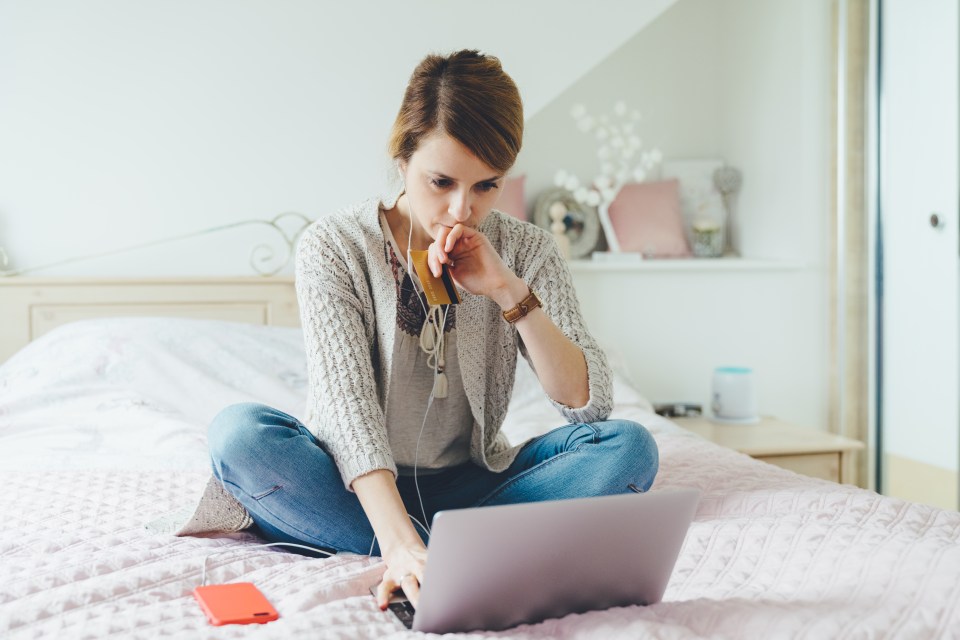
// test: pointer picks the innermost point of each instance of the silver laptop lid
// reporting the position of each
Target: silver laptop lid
(495, 567)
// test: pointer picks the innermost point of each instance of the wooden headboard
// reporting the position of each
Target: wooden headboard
(30, 307)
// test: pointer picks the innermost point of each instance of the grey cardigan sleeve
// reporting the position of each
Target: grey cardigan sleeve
(550, 278)
(342, 402)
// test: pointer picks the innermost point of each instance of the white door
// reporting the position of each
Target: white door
(919, 143)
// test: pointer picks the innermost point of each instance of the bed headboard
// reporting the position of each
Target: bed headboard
(29, 307)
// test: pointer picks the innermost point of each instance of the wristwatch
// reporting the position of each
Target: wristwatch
(525, 306)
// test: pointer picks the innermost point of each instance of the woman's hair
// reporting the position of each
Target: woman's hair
(468, 96)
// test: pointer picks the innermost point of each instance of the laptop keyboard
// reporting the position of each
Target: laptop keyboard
(403, 610)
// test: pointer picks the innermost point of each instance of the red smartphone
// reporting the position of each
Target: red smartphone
(235, 603)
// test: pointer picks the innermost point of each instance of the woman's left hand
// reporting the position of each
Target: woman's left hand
(471, 259)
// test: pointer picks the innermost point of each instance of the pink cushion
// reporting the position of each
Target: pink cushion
(646, 218)
(512, 198)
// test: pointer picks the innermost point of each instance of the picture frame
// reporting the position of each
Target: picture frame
(582, 223)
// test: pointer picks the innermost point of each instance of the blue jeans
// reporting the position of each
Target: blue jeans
(293, 490)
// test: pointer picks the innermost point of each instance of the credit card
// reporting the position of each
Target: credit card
(438, 290)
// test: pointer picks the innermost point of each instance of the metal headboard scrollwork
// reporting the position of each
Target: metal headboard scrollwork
(260, 256)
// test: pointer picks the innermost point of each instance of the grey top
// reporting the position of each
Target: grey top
(446, 432)
(348, 310)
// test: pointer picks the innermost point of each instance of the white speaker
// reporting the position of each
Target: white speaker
(734, 395)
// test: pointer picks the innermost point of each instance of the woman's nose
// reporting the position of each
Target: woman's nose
(460, 207)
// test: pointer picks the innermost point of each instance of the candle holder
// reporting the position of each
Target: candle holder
(707, 239)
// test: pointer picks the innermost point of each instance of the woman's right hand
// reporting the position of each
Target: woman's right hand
(403, 551)
(404, 571)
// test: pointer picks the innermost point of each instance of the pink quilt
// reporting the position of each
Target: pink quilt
(101, 429)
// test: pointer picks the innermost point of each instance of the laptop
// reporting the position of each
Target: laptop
(492, 568)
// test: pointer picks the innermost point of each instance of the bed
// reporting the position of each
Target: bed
(102, 429)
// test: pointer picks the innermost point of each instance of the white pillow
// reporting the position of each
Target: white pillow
(527, 390)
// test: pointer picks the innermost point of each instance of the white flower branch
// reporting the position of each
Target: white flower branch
(620, 152)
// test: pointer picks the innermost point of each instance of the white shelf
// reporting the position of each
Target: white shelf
(687, 264)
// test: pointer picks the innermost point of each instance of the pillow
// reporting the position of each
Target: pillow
(512, 199)
(646, 218)
(530, 413)
(528, 391)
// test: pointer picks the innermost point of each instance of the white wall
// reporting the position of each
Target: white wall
(123, 122)
(126, 122)
(776, 129)
(747, 81)
(675, 327)
(774, 69)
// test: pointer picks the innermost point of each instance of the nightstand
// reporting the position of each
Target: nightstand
(807, 451)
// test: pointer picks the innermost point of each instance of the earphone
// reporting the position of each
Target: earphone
(432, 343)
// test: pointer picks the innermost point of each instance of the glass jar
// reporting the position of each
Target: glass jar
(707, 237)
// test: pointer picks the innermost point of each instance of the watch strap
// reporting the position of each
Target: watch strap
(524, 307)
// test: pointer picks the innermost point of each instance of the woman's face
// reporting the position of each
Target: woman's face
(446, 184)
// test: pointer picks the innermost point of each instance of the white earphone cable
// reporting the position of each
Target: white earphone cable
(373, 542)
(203, 573)
(434, 349)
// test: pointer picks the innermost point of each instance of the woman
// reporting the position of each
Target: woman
(371, 457)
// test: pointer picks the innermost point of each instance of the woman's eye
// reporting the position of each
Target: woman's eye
(446, 183)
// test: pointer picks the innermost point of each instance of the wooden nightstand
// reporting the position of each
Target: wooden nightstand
(807, 451)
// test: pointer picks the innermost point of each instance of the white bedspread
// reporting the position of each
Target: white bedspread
(101, 428)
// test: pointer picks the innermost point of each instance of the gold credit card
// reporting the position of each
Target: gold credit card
(438, 290)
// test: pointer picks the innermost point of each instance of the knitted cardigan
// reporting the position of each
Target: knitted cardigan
(348, 308)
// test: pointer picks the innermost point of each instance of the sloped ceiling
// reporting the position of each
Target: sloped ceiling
(545, 45)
